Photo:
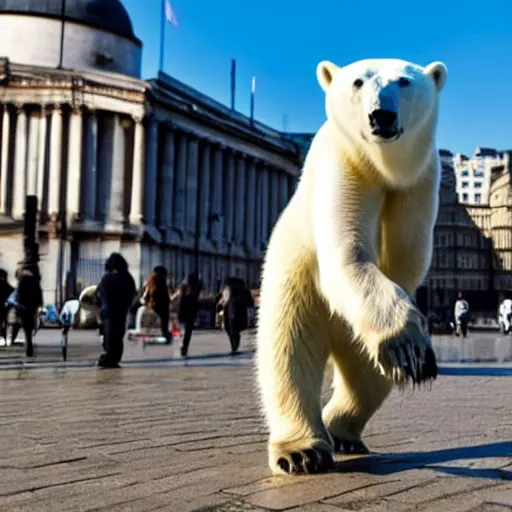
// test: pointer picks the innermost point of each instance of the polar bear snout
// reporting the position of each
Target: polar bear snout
(384, 124)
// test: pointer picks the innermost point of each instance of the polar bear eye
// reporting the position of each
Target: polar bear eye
(358, 83)
(404, 82)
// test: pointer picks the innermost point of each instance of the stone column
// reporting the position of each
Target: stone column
(167, 185)
(258, 206)
(240, 200)
(229, 196)
(74, 174)
(265, 205)
(4, 169)
(180, 188)
(283, 191)
(32, 158)
(116, 203)
(20, 164)
(41, 165)
(105, 166)
(204, 191)
(192, 184)
(250, 203)
(91, 166)
(274, 198)
(151, 171)
(137, 195)
(216, 198)
(55, 162)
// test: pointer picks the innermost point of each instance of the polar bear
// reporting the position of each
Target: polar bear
(344, 260)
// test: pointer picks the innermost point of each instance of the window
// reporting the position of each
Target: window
(464, 184)
(478, 198)
(464, 198)
(464, 173)
(478, 184)
(478, 174)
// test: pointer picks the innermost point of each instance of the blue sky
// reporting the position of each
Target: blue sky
(281, 42)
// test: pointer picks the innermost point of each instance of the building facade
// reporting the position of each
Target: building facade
(472, 243)
(153, 169)
(474, 174)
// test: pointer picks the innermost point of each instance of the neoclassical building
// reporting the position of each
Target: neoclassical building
(151, 168)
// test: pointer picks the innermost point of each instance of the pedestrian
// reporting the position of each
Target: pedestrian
(505, 314)
(115, 296)
(5, 290)
(461, 314)
(188, 294)
(235, 300)
(29, 298)
(156, 297)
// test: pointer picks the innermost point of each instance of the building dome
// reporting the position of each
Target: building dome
(108, 15)
(98, 34)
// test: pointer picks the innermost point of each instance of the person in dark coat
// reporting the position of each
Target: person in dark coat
(115, 296)
(234, 300)
(156, 297)
(188, 294)
(29, 297)
(5, 290)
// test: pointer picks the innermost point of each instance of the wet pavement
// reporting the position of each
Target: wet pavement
(84, 349)
(166, 434)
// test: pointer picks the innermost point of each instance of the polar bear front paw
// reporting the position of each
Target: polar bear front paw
(409, 356)
(309, 460)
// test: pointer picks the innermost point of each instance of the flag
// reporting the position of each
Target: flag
(169, 14)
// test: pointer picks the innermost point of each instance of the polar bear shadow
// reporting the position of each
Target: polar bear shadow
(388, 464)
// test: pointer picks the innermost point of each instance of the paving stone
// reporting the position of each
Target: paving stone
(187, 436)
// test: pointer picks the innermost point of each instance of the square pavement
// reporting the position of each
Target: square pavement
(171, 435)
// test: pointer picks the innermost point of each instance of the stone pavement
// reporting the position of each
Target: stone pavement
(168, 435)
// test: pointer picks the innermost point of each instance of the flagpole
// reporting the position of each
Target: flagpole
(253, 90)
(162, 36)
(233, 83)
(63, 19)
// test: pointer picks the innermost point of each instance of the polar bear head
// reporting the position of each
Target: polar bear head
(383, 105)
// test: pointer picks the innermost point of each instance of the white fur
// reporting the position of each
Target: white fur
(346, 256)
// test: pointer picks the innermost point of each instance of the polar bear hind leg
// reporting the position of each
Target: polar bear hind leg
(359, 391)
(293, 347)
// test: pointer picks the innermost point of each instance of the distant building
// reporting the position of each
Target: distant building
(460, 256)
(474, 175)
(472, 243)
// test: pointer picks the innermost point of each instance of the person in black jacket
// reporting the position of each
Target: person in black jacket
(29, 297)
(115, 296)
(234, 300)
(188, 294)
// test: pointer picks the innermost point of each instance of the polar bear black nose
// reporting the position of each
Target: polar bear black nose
(383, 120)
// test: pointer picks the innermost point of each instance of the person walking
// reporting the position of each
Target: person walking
(235, 300)
(29, 298)
(461, 314)
(156, 297)
(188, 294)
(5, 290)
(115, 296)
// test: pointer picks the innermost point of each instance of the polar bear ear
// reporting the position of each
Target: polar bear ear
(438, 72)
(325, 73)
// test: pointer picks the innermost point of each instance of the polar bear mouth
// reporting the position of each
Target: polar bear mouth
(384, 136)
